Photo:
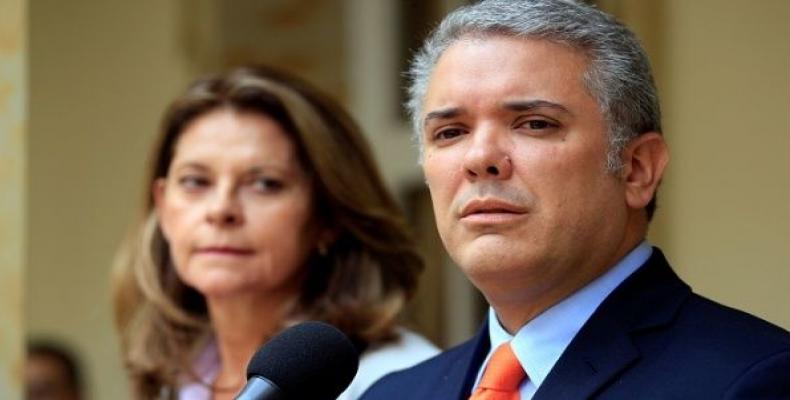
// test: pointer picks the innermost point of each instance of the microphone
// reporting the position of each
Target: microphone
(311, 360)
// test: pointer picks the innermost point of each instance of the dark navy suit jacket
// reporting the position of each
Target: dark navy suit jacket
(652, 338)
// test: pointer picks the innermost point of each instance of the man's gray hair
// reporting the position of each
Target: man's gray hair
(618, 75)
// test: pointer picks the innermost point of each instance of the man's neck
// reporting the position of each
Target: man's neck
(523, 306)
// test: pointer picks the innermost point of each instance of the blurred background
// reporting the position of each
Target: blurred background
(83, 84)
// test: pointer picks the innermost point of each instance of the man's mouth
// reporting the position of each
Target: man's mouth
(481, 207)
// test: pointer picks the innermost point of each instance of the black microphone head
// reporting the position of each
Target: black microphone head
(310, 360)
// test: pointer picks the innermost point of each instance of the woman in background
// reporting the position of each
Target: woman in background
(265, 208)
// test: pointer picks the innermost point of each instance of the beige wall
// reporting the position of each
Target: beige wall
(726, 98)
(101, 73)
(13, 132)
(722, 71)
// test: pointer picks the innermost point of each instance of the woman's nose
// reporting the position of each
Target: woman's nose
(224, 208)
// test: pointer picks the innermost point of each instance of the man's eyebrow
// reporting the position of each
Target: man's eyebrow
(445, 113)
(527, 105)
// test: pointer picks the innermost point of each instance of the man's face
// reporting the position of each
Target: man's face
(515, 159)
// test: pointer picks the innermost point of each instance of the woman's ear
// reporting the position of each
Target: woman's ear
(158, 193)
(644, 160)
(326, 237)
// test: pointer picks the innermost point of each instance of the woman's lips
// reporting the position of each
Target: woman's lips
(225, 251)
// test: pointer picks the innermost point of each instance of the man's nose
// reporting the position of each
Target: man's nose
(488, 155)
(224, 208)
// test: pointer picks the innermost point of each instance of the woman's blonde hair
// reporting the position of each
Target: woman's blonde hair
(358, 283)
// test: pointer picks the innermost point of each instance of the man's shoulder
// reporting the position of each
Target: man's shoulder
(420, 381)
(734, 353)
(696, 330)
(655, 298)
(670, 339)
(723, 327)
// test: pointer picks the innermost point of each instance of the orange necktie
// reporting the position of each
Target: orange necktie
(502, 376)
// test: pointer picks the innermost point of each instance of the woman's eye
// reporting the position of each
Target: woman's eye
(193, 182)
(267, 184)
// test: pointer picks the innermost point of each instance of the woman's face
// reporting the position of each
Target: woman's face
(236, 206)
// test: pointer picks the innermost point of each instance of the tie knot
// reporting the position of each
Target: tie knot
(504, 372)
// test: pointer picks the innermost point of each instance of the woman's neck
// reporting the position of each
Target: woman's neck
(241, 324)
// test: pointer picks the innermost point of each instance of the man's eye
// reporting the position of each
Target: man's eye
(539, 124)
(446, 134)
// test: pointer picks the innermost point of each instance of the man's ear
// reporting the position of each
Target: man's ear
(644, 160)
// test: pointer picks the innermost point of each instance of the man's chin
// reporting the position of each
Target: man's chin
(487, 266)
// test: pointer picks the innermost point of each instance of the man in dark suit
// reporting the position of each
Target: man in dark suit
(541, 145)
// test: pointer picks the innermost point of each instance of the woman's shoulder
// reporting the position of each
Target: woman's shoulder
(408, 349)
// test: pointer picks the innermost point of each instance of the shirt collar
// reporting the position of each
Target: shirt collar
(205, 368)
(540, 343)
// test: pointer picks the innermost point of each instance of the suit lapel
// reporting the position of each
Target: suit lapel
(604, 347)
(461, 371)
(591, 360)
